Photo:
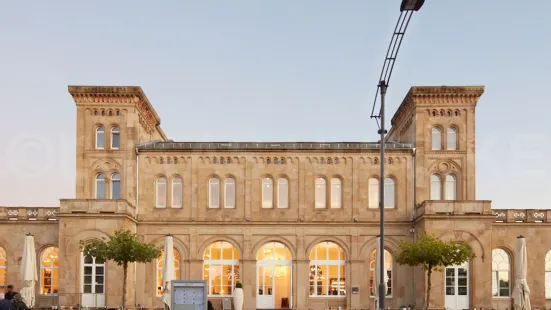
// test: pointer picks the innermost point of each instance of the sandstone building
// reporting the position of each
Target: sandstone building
(295, 222)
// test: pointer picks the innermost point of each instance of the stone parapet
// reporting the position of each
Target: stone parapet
(96, 206)
(521, 216)
(28, 213)
(453, 207)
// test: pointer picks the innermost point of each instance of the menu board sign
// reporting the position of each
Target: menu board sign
(189, 295)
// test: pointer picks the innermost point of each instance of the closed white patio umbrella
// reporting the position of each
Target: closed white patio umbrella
(521, 291)
(29, 272)
(169, 272)
(376, 278)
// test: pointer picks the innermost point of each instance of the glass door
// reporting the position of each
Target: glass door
(93, 283)
(265, 294)
(457, 287)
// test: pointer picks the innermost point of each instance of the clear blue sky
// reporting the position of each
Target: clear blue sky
(272, 70)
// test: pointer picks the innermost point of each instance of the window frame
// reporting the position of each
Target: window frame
(53, 279)
(436, 131)
(229, 182)
(372, 262)
(234, 262)
(112, 185)
(115, 131)
(496, 272)
(547, 278)
(320, 184)
(100, 130)
(433, 182)
(455, 136)
(373, 197)
(98, 180)
(157, 196)
(267, 191)
(340, 261)
(177, 181)
(336, 182)
(94, 274)
(387, 194)
(4, 267)
(280, 191)
(214, 181)
(447, 186)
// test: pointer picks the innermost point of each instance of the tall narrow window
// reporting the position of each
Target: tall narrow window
(229, 193)
(115, 138)
(450, 187)
(214, 193)
(435, 187)
(436, 139)
(501, 267)
(3, 265)
(547, 275)
(267, 193)
(177, 192)
(327, 270)
(388, 265)
(93, 281)
(115, 186)
(100, 138)
(282, 193)
(160, 267)
(320, 193)
(390, 193)
(373, 193)
(100, 186)
(336, 193)
(451, 139)
(221, 268)
(161, 193)
(49, 271)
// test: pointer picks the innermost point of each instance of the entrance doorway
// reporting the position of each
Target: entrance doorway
(274, 274)
(92, 282)
(457, 287)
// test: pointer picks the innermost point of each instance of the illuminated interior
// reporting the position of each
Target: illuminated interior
(3, 265)
(388, 265)
(327, 270)
(274, 274)
(49, 271)
(221, 268)
(160, 267)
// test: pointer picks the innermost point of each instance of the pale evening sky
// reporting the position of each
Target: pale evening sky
(286, 70)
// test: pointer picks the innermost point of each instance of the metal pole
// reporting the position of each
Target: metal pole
(382, 132)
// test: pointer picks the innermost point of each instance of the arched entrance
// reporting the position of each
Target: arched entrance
(274, 274)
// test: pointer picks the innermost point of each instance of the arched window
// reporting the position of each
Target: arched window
(282, 193)
(100, 186)
(115, 138)
(390, 193)
(267, 193)
(451, 139)
(451, 187)
(49, 271)
(320, 194)
(160, 267)
(3, 267)
(115, 186)
(373, 194)
(372, 275)
(221, 268)
(501, 271)
(214, 193)
(435, 187)
(436, 139)
(274, 251)
(177, 192)
(336, 193)
(547, 275)
(100, 138)
(327, 270)
(229, 193)
(93, 281)
(161, 193)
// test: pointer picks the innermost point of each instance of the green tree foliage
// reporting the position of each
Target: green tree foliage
(433, 254)
(123, 248)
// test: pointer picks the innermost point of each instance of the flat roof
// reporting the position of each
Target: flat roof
(264, 146)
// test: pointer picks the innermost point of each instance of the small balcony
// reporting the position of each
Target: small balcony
(454, 207)
(96, 206)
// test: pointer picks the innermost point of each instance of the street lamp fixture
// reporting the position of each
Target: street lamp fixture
(407, 8)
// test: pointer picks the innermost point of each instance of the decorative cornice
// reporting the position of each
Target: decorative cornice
(438, 95)
(117, 94)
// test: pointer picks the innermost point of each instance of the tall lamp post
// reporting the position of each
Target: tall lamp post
(407, 7)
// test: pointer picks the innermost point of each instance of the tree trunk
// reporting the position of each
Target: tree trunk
(125, 270)
(429, 284)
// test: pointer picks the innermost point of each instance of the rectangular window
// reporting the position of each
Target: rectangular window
(229, 194)
(336, 193)
(177, 193)
(373, 193)
(214, 193)
(115, 138)
(282, 193)
(116, 189)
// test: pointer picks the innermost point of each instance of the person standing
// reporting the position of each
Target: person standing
(18, 303)
(9, 293)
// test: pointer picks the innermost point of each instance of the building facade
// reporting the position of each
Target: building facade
(295, 223)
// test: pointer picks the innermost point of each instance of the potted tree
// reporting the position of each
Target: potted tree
(238, 296)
